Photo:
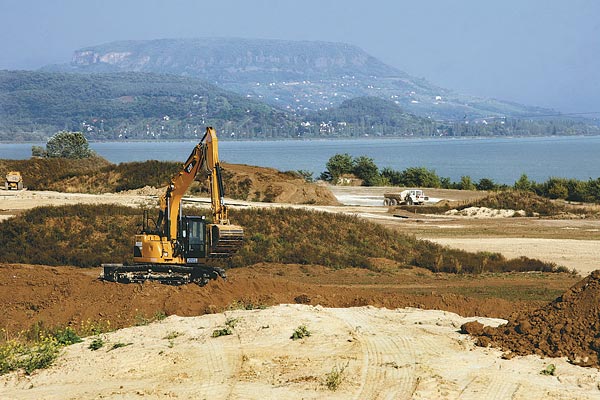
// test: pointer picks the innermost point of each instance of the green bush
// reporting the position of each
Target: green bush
(300, 332)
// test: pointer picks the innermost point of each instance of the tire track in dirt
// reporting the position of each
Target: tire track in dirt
(493, 387)
(388, 370)
(222, 364)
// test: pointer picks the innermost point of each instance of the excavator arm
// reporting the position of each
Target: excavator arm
(203, 161)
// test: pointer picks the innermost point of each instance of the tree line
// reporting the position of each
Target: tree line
(365, 169)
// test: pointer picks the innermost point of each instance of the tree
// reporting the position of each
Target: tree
(556, 188)
(339, 165)
(524, 183)
(420, 177)
(68, 145)
(365, 169)
(38, 151)
(486, 184)
(466, 183)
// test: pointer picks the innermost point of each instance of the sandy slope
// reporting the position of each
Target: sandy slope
(389, 354)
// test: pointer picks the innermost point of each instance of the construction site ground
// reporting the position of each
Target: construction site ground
(360, 326)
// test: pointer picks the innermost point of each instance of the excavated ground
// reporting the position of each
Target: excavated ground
(60, 296)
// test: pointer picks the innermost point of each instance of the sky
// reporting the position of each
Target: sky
(535, 52)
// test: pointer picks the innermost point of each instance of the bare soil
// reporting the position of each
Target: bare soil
(68, 296)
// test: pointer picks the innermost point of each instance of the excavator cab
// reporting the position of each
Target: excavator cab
(194, 239)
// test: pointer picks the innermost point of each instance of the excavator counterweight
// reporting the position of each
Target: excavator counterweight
(177, 248)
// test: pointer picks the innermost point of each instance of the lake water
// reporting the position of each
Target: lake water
(500, 159)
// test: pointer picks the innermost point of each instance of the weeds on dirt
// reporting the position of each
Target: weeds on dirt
(549, 370)
(159, 316)
(335, 377)
(16, 355)
(67, 336)
(38, 346)
(230, 324)
(118, 345)
(245, 305)
(172, 335)
(300, 332)
(91, 327)
(96, 343)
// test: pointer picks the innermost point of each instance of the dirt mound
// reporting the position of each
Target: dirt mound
(485, 212)
(567, 327)
(531, 203)
(269, 185)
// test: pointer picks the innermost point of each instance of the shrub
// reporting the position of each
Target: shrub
(300, 332)
(227, 329)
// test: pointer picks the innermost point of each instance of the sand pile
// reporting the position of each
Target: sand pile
(485, 212)
(567, 327)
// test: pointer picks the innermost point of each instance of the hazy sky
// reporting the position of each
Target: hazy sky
(538, 52)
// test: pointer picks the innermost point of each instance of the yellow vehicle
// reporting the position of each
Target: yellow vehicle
(14, 181)
(176, 249)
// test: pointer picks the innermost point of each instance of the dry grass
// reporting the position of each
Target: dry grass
(88, 235)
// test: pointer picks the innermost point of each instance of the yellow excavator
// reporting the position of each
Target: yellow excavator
(175, 248)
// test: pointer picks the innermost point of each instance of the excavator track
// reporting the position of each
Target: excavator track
(165, 274)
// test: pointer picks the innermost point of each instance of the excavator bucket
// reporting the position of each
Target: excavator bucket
(225, 240)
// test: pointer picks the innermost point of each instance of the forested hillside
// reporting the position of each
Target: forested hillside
(143, 106)
(34, 105)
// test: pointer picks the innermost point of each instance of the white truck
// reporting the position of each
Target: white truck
(406, 197)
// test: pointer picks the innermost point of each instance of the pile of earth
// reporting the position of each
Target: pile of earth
(97, 175)
(569, 327)
(253, 183)
(485, 212)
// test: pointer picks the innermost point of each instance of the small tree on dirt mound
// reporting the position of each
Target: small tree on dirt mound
(66, 145)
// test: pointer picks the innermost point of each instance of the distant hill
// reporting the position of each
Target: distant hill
(34, 105)
(296, 75)
(127, 105)
(147, 106)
